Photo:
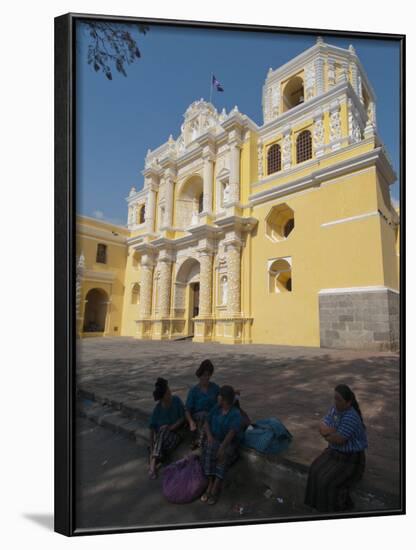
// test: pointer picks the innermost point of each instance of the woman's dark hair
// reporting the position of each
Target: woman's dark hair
(228, 394)
(161, 387)
(205, 366)
(347, 394)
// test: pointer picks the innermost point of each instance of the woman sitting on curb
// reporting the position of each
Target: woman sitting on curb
(201, 398)
(342, 464)
(167, 417)
(220, 449)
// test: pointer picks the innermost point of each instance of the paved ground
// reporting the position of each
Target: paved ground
(293, 383)
(114, 491)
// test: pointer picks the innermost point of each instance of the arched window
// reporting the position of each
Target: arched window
(304, 146)
(293, 93)
(280, 276)
(223, 290)
(142, 214)
(135, 294)
(274, 159)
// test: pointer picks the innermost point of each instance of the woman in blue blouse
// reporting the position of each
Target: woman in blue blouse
(342, 464)
(220, 449)
(167, 417)
(201, 398)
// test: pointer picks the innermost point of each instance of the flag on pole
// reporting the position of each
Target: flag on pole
(216, 84)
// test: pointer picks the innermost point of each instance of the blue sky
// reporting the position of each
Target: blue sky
(118, 120)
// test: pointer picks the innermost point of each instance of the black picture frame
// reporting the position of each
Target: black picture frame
(65, 199)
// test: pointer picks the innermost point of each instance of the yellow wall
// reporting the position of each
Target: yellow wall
(130, 311)
(342, 255)
(116, 263)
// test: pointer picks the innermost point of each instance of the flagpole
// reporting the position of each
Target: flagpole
(210, 88)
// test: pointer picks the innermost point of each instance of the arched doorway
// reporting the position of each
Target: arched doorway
(95, 310)
(186, 300)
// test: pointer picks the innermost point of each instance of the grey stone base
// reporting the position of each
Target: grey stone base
(367, 319)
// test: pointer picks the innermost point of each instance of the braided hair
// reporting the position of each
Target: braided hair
(347, 394)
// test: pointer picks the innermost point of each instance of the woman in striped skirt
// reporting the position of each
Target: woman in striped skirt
(342, 463)
(223, 428)
(201, 398)
(167, 417)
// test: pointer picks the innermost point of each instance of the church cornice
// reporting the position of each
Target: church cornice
(375, 157)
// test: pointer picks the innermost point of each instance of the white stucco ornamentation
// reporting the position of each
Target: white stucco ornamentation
(260, 160)
(275, 101)
(371, 113)
(205, 304)
(318, 134)
(267, 114)
(354, 129)
(234, 278)
(287, 148)
(310, 81)
(331, 72)
(334, 123)
(165, 270)
(200, 117)
(146, 286)
(319, 75)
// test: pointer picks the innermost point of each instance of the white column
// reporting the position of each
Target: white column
(165, 269)
(208, 185)
(234, 170)
(319, 71)
(169, 189)
(151, 209)
(205, 289)
(146, 286)
(233, 248)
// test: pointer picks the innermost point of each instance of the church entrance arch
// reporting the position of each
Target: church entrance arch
(187, 293)
(95, 310)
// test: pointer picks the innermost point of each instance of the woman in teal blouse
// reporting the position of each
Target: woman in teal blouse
(223, 427)
(167, 417)
(201, 398)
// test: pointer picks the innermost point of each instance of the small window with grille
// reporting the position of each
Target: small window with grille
(304, 146)
(274, 159)
(101, 253)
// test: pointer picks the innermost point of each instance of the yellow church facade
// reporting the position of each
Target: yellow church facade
(276, 234)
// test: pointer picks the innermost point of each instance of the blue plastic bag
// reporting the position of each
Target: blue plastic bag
(267, 436)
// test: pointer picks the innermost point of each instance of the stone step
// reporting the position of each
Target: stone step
(280, 473)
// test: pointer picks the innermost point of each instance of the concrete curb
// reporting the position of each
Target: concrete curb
(274, 469)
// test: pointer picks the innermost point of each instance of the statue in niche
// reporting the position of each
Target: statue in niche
(226, 194)
(224, 290)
